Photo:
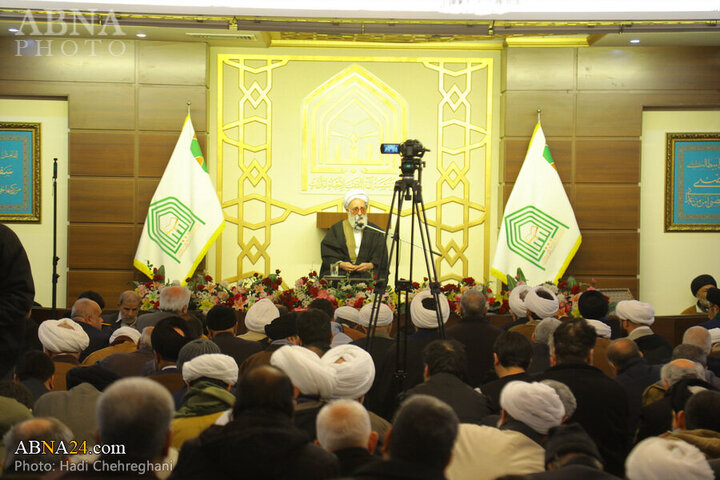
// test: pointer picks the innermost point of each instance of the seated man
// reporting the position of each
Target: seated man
(636, 318)
(699, 287)
(357, 250)
(19, 461)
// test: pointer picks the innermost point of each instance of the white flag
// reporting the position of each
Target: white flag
(184, 218)
(539, 233)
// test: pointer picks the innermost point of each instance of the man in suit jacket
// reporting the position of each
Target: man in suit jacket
(174, 300)
(477, 334)
(127, 315)
(168, 337)
(222, 327)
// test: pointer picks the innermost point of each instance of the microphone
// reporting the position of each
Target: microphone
(359, 222)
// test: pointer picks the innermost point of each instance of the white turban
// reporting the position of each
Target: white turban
(306, 371)
(535, 404)
(211, 365)
(424, 318)
(515, 301)
(347, 313)
(352, 195)
(602, 329)
(637, 312)
(260, 314)
(539, 306)
(355, 370)
(714, 335)
(63, 336)
(385, 315)
(129, 332)
(668, 459)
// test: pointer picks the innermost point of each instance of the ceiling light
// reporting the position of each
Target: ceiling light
(141, 35)
(635, 41)
(13, 30)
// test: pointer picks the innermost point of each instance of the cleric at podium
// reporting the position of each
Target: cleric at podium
(354, 248)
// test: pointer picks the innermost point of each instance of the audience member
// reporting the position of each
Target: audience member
(602, 406)
(594, 305)
(636, 319)
(446, 379)
(168, 337)
(72, 406)
(122, 340)
(656, 458)
(701, 337)
(339, 337)
(477, 334)
(314, 330)
(260, 441)
(20, 462)
(540, 303)
(633, 374)
(349, 318)
(36, 371)
(18, 391)
(174, 300)
(382, 340)
(420, 444)
(128, 310)
(222, 328)
(695, 419)
(343, 428)
(541, 345)
(62, 341)
(261, 313)
(698, 288)
(132, 364)
(697, 355)
(713, 300)
(602, 342)
(209, 378)
(86, 313)
(281, 331)
(512, 353)
(516, 304)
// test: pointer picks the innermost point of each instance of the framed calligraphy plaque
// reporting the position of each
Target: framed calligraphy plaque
(692, 182)
(19, 172)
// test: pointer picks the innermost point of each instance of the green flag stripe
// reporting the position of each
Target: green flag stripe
(547, 156)
(197, 153)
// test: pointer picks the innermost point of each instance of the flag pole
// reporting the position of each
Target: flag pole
(189, 102)
(539, 111)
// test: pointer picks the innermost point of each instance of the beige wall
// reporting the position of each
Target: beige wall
(37, 237)
(670, 260)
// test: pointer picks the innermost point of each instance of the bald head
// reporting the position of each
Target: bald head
(87, 311)
(343, 424)
(622, 351)
(174, 299)
(45, 429)
(680, 369)
(699, 336)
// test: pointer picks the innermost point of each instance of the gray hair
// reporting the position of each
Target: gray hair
(174, 298)
(146, 338)
(83, 308)
(566, 396)
(47, 429)
(545, 329)
(690, 352)
(699, 336)
(135, 412)
(671, 373)
(472, 302)
(342, 424)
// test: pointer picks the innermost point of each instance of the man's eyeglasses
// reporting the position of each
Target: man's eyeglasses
(358, 210)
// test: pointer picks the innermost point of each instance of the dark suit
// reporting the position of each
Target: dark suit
(634, 378)
(236, 347)
(151, 319)
(492, 389)
(478, 335)
(170, 378)
(98, 339)
(127, 364)
(602, 409)
(656, 350)
(573, 472)
(469, 405)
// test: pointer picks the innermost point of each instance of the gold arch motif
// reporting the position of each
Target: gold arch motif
(451, 172)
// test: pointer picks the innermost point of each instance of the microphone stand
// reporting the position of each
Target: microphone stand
(379, 230)
(56, 259)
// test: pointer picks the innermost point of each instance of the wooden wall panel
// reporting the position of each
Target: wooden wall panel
(102, 106)
(156, 149)
(108, 283)
(102, 153)
(96, 246)
(607, 206)
(106, 200)
(630, 282)
(541, 69)
(521, 113)
(100, 63)
(507, 189)
(648, 68)
(602, 161)
(165, 107)
(172, 63)
(610, 253)
(515, 150)
(146, 190)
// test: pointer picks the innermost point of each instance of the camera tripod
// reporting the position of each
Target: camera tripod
(407, 188)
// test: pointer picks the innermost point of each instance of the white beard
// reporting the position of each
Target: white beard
(353, 219)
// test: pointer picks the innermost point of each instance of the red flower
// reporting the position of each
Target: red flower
(469, 280)
(208, 278)
(563, 285)
(575, 289)
(323, 282)
(157, 277)
(266, 281)
(491, 300)
(313, 291)
(277, 271)
(359, 303)
(415, 285)
(201, 287)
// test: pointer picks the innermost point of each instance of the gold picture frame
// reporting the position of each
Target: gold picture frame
(19, 172)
